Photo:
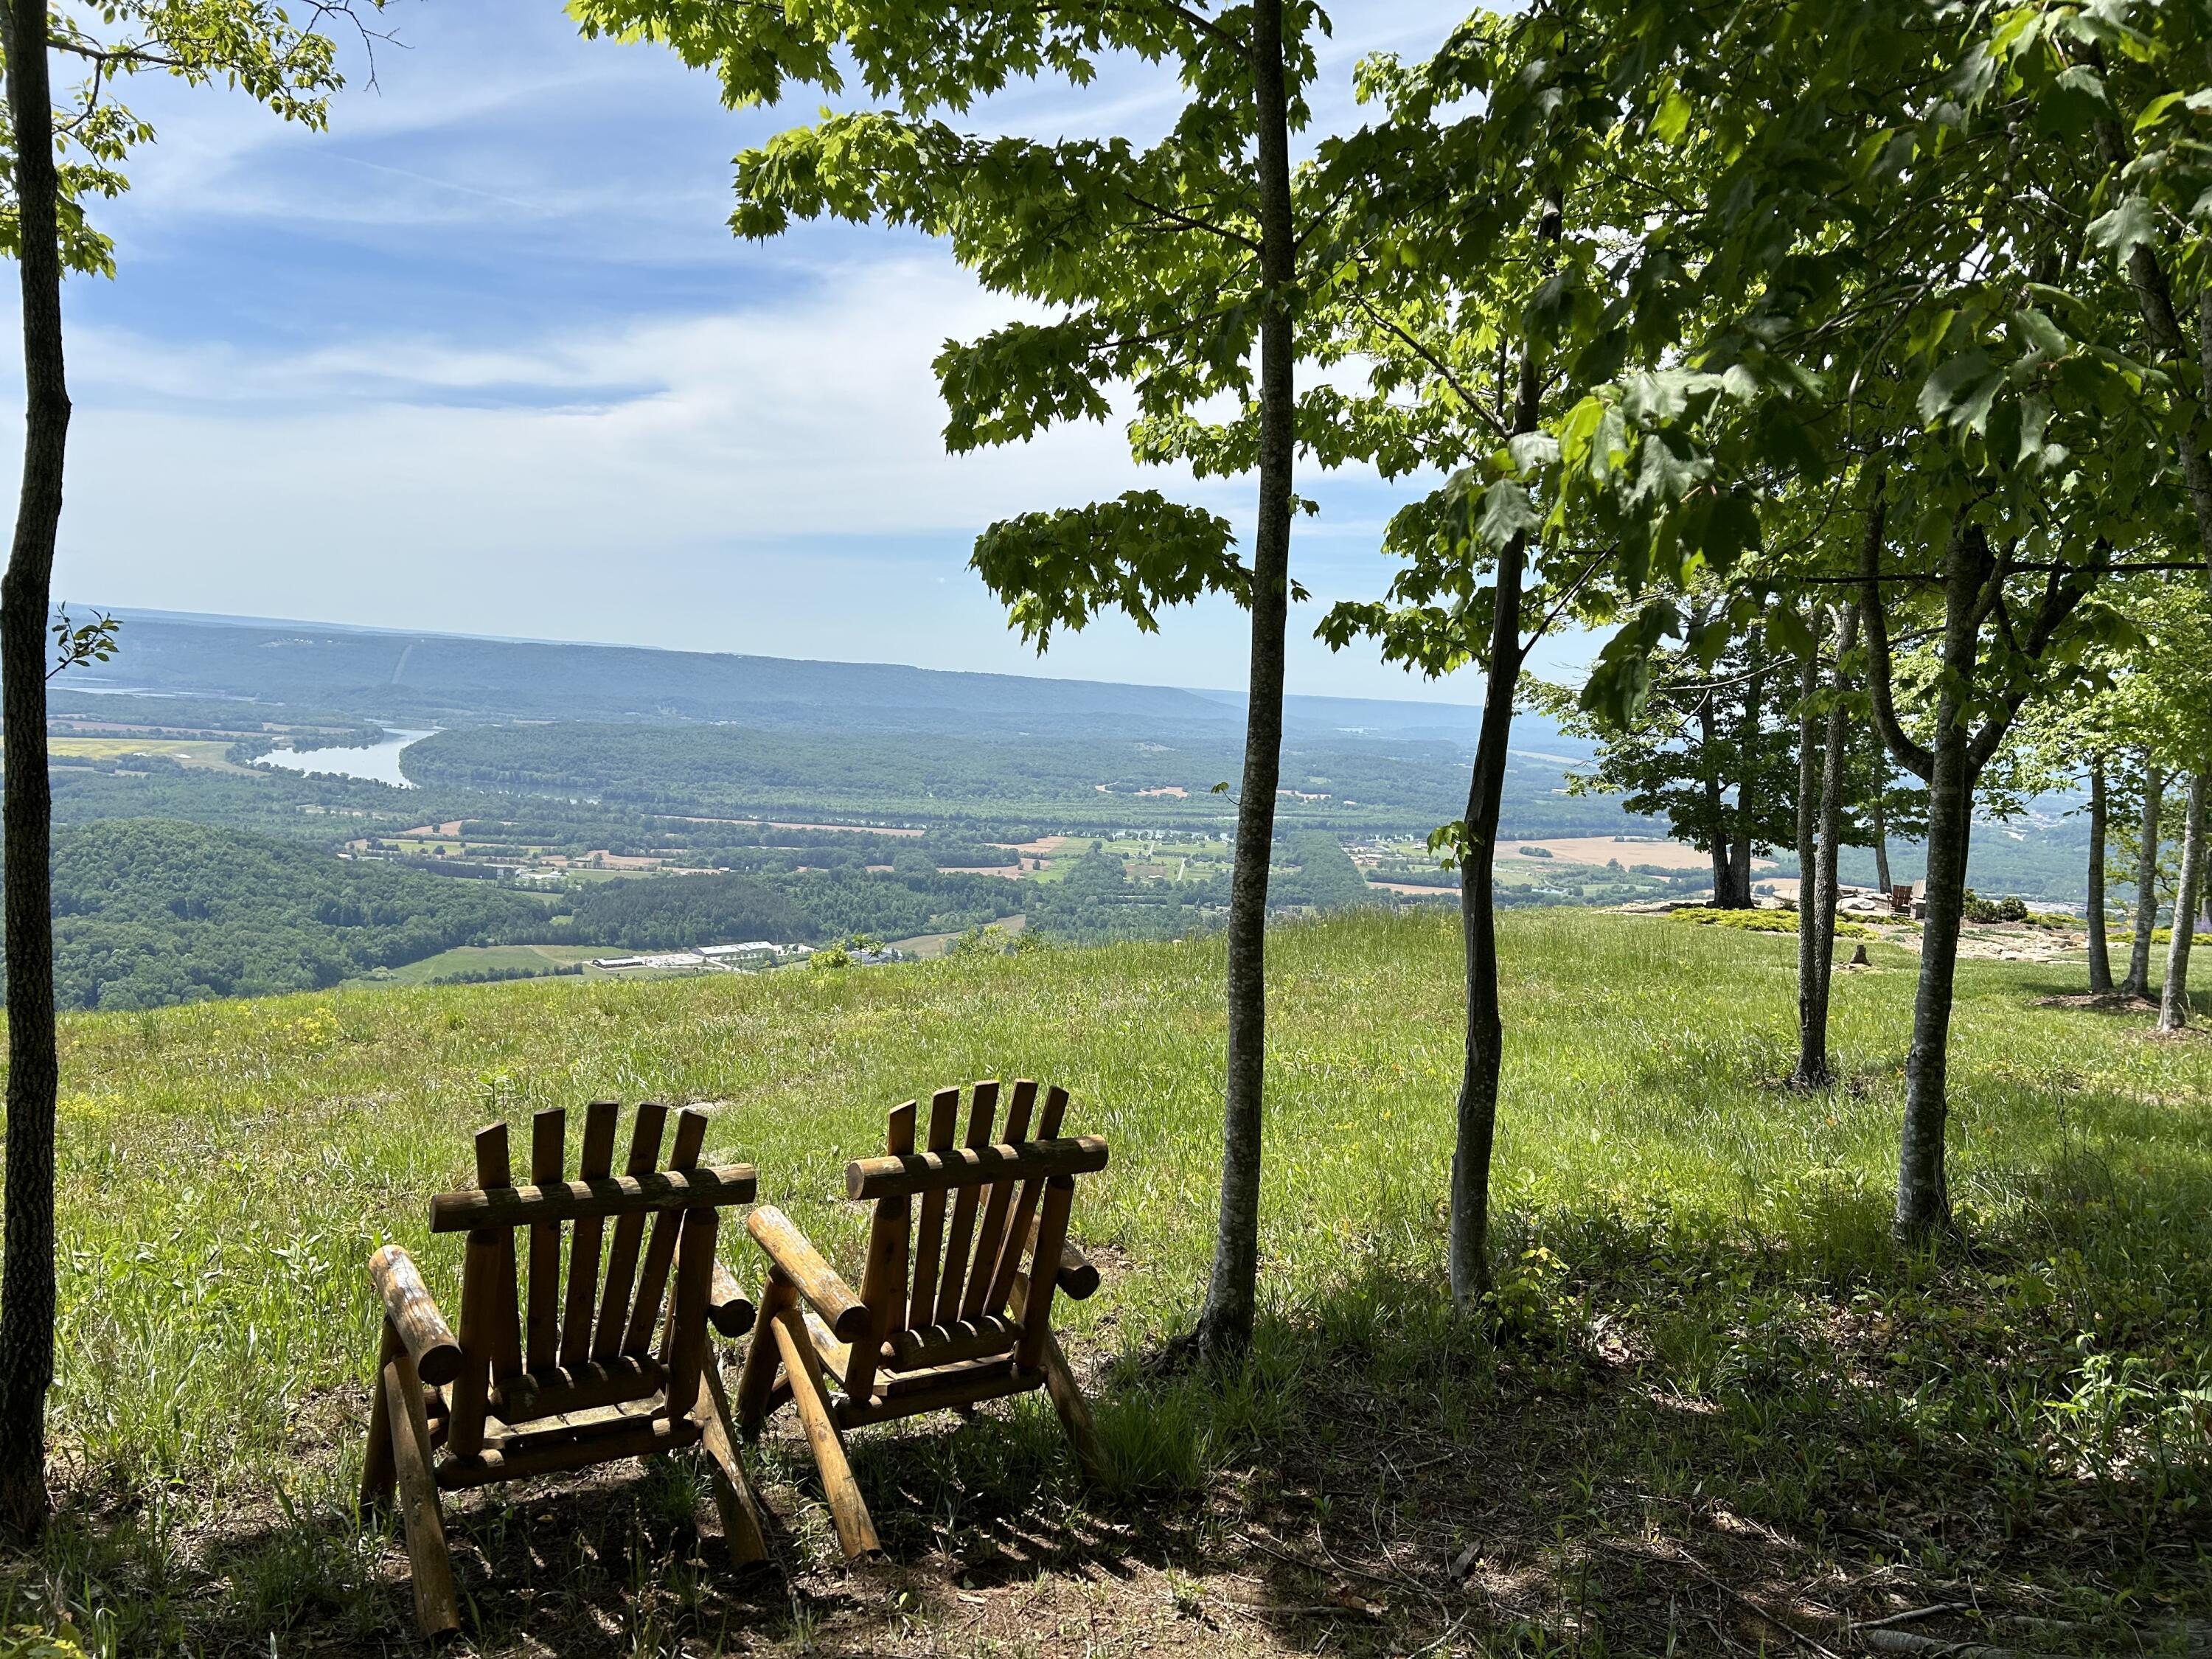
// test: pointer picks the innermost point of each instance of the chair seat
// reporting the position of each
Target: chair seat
(604, 1434)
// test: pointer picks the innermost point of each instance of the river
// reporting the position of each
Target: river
(379, 763)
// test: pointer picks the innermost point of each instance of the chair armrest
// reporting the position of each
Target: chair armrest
(803, 1265)
(412, 1313)
(729, 1310)
(1075, 1276)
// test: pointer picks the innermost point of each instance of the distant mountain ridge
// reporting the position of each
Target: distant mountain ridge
(434, 678)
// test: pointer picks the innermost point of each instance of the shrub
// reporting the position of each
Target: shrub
(1764, 921)
(1988, 910)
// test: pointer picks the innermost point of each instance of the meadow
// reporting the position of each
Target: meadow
(1709, 1407)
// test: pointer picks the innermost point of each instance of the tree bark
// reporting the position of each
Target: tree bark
(1746, 765)
(2174, 999)
(1716, 812)
(1812, 1071)
(1476, 1128)
(1820, 916)
(1224, 1326)
(2100, 957)
(1924, 1194)
(1878, 821)
(2137, 983)
(26, 1277)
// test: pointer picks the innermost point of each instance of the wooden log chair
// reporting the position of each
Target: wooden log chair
(946, 1316)
(582, 1381)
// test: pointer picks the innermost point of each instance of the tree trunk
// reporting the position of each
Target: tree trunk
(1820, 916)
(1812, 1066)
(1225, 1327)
(2100, 957)
(1877, 819)
(1924, 1194)
(1475, 1131)
(1716, 812)
(2173, 1000)
(1747, 762)
(2137, 983)
(27, 1278)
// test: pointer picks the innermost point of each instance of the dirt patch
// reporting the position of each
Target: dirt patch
(2105, 1000)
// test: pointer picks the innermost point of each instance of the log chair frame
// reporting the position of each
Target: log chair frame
(581, 1381)
(946, 1316)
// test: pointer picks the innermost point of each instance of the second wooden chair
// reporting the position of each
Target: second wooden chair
(947, 1314)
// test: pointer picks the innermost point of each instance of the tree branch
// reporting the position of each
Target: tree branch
(1913, 756)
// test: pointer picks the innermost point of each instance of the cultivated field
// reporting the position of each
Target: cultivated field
(1708, 1397)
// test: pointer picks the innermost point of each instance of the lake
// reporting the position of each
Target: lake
(379, 763)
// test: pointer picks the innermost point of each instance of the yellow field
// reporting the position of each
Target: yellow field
(193, 752)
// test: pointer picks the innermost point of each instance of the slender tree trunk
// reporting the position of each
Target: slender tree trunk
(2137, 983)
(26, 1279)
(1878, 820)
(1923, 1201)
(1715, 810)
(2173, 1000)
(1923, 1196)
(1225, 1328)
(1475, 1132)
(1812, 1068)
(1820, 916)
(2100, 957)
(1747, 789)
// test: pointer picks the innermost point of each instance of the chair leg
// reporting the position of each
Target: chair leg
(1067, 1398)
(856, 1531)
(734, 1493)
(437, 1605)
(377, 1474)
(757, 1379)
(1074, 1412)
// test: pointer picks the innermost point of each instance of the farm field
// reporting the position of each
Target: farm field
(481, 958)
(1710, 1395)
(213, 753)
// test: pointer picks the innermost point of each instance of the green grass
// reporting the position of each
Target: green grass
(1702, 1336)
(476, 958)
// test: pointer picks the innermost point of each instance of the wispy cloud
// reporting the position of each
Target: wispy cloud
(485, 356)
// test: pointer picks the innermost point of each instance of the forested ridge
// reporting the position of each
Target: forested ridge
(153, 911)
(1097, 777)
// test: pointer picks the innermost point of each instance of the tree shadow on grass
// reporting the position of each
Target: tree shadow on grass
(1665, 1432)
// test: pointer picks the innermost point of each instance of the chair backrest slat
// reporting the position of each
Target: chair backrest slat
(584, 1242)
(882, 1277)
(929, 1229)
(995, 1207)
(548, 1147)
(607, 1331)
(645, 1307)
(1018, 1229)
(954, 1280)
(505, 1334)
(1044, 1268)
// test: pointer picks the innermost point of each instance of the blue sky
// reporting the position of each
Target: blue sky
(485, 357)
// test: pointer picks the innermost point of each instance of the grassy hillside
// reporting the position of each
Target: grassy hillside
(1703, 1347)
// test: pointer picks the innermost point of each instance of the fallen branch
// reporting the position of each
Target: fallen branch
(1935, 1647)
(1913, 1616)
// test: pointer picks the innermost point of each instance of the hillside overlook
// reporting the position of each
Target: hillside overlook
(1698, 1283)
